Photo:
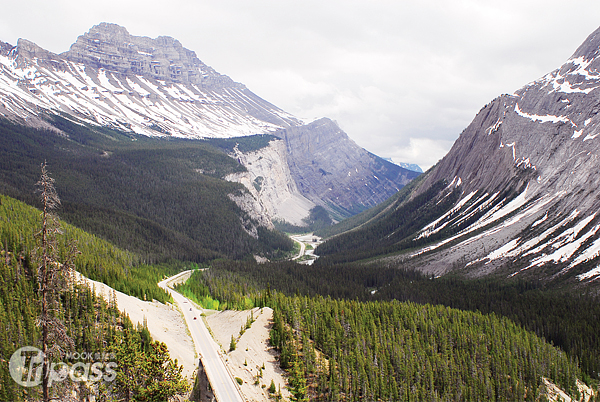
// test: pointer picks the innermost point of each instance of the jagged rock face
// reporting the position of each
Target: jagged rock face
(541, 143)
(332, 171)
(111, 47)
(153, 87)
(270, 182)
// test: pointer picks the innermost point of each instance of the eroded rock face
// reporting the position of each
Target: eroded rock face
(332, 171)
(269, 180)
(111, 47)
(543, 134)
(540, 145)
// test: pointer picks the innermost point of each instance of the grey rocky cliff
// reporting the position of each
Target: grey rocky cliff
(332, 171)
(317, 164)
(545, 131)
(529, 165)
(270, 182)
(111, 47)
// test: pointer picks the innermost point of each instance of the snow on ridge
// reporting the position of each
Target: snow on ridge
(496, 213)
(582, 65)
(524, 162)
(494, 127)
(543, 119)
(131, 103)
(591, 252)
(466, 214)
(502, 251)
(589, 274)
(541, 220)
(431, 228)
(565, 245)
(560, 82)
(510, 249)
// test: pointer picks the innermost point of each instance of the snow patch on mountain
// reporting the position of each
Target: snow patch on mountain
(133, 102)
(542, 119)
(590, 274)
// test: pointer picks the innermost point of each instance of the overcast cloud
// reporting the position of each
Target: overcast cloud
(402, 78)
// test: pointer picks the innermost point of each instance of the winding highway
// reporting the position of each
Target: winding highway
(222, 382)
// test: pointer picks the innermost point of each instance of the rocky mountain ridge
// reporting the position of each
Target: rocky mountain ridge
(523, 177)
(156, 87)
(148, 86)
(111, 47)
(332, 171)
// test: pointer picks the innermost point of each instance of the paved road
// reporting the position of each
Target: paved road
(304, 240)
(223, 384)
(302, 247)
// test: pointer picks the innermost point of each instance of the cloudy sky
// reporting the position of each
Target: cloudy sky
(402, 78)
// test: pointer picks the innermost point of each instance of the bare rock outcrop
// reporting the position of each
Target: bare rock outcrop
(111, 47)
(269, 180)
(331, 170)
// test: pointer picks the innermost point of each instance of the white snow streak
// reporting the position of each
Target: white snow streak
(589, 274)
(543, 119)
(131, 103)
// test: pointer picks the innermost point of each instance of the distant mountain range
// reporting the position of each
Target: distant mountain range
(158, 88)
(410, 166)
(516, 196)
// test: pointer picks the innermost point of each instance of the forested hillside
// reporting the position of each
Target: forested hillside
(98, 259)
(143, 369)
(355, 349)
(162, 199)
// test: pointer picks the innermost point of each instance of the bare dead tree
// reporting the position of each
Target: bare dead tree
(53, 278)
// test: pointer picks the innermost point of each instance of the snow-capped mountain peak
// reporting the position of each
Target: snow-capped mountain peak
(148, 86)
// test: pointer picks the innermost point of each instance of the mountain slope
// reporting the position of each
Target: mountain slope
(158, 88)
(516, 194)
(332, 171)
(159, 198)
(149, 86)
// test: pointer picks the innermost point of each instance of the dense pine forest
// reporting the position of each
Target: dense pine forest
(355, 346)
(142, 368)
(98, 259)
(160, 198)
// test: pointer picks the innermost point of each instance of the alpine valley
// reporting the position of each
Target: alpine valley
(478, 279)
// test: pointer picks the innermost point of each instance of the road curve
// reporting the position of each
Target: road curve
(223, 384)
(302, 247)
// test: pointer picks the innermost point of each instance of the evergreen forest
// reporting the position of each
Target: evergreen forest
(142, 368)
(340, 341)
(162, 199)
